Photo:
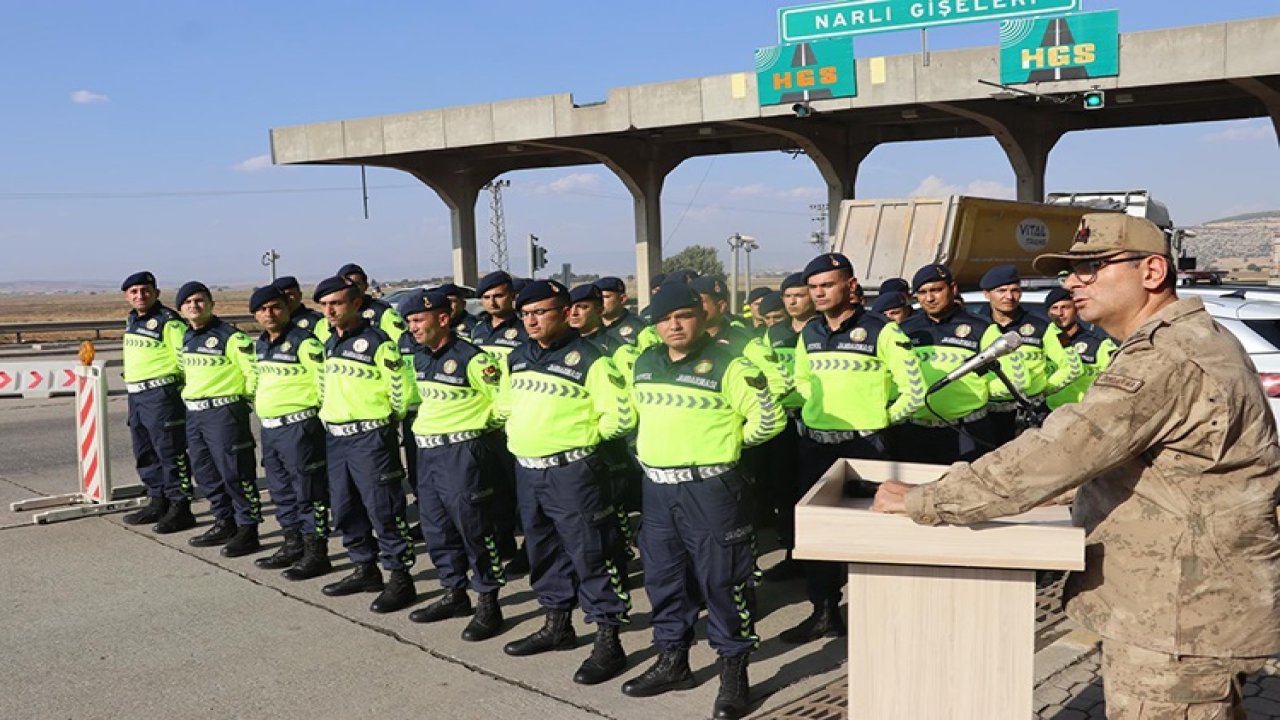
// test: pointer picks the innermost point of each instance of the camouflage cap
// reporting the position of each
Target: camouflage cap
(1104, 234)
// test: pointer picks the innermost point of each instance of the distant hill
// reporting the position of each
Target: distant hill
(1240, 243)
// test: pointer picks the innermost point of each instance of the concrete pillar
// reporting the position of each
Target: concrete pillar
(1269, 95)
(459, 192)
(1027, 138)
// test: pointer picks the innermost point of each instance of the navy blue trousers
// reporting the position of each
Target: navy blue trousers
(221, 445)
(695, 538)
(571, 532)
(365, 487)
(943, 445)
(455, 504)
(824, 581)
(410, 449)
(297, 477)
(158, 428)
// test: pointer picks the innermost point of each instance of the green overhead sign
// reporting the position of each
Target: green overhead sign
(806, 71)
(1070, 47)
(859, 17)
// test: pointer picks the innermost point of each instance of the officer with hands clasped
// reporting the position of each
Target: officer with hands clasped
(157, 418)
(457, 383)
(221, 375)
(363, 396)
(699, 406)
(562, 397)
(287, 399)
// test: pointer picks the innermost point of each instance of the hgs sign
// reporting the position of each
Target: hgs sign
(1069, 47)
(801, 72)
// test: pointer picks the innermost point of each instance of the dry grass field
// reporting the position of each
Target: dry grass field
(92, 306)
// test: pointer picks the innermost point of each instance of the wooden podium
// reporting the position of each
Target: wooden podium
(941, 619)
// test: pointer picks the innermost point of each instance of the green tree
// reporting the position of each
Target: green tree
(701, 259)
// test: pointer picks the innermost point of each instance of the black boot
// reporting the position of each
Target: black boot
(454, 603)
(400, 593)
(149, 513)
(607, 658)
(245, 542)
(487, 621)
(289, 552)
(735, 689)
(669, 672)
(176, 519)
(365, 578)
(222, 530)
(314, 561)
(415, 532)
(506, 546)
(824, 622)
(555, 634)
(519, 564)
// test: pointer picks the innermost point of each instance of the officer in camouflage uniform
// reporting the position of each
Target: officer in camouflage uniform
(363, 397)
(562, 397)
(699, 406)
(157, 418)
(1093, 346)
(287, 399)
(221, 375)
(301, 315)
(1173, 451)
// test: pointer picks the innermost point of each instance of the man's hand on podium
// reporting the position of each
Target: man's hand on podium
(891, 497)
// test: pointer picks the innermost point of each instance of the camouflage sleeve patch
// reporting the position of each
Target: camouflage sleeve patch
(1120, 382)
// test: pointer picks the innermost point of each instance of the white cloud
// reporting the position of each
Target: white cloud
(572, 183)
(749, 190)
(804, 192)
(86, 97)
(254, 164)
(1241, 132)
(934, 186)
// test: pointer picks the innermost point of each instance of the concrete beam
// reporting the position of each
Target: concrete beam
(1268, 94)
(1026, 136)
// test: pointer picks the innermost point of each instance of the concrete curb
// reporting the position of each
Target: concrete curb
(1064, 652)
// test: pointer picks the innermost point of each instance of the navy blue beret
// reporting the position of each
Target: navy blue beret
(771, 302)
(520, 283)
(189, 289)
(287, 282)
(931, 273)
(757, 293)
(671, 297)
(452, 290)
(998, 276)
(1056, 295)
(611, 284)
(585, 292)
(539, 290)
(139, 278)
(329, 286)
(350, 268)
(893, 285)
(680, 276)
(497, 278)
(827, 262)
(707, 285)
(890, 301)
(656, 281)
(261, 296)
(420, 301)
(794, 280)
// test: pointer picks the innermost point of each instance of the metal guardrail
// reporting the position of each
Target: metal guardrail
(96, 326)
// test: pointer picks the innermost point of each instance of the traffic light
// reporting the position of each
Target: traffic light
(537, 255)
(1095, 100)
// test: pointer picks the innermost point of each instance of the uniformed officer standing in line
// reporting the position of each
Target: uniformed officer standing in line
(221, 375)
(563, 397)
(407, 346)
(699, 406)
(157, 418)
(457, 382)
(287, 399)
(1173, 451)
(1049, 366)
(378, 312)
(740, 341)
(586, 304)
(894, 305)
(953, 424)
(301, 315)
(1093, 346)
(621, 324)
(754, 316)
(797, 300)
(772, 311)
(858, 376)
(462, 321)
(363, 397)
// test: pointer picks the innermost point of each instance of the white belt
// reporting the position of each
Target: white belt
(150, 384)
(355, 428)
(435, 441)
(672, 476)
(290, 419)
(930, 423)
(557, 460)
(833, 437)
(211, 403)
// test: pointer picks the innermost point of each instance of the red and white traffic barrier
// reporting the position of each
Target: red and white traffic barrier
(37, 379)
(96, 495)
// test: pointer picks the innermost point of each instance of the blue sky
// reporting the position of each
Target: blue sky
(136, 134)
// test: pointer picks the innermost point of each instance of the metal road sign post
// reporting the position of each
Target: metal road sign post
(860, 17)
(96, 495)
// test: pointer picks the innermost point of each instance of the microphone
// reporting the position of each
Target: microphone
(1003, 345)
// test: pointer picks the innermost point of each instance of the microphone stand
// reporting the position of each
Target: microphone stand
(1030, 414)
